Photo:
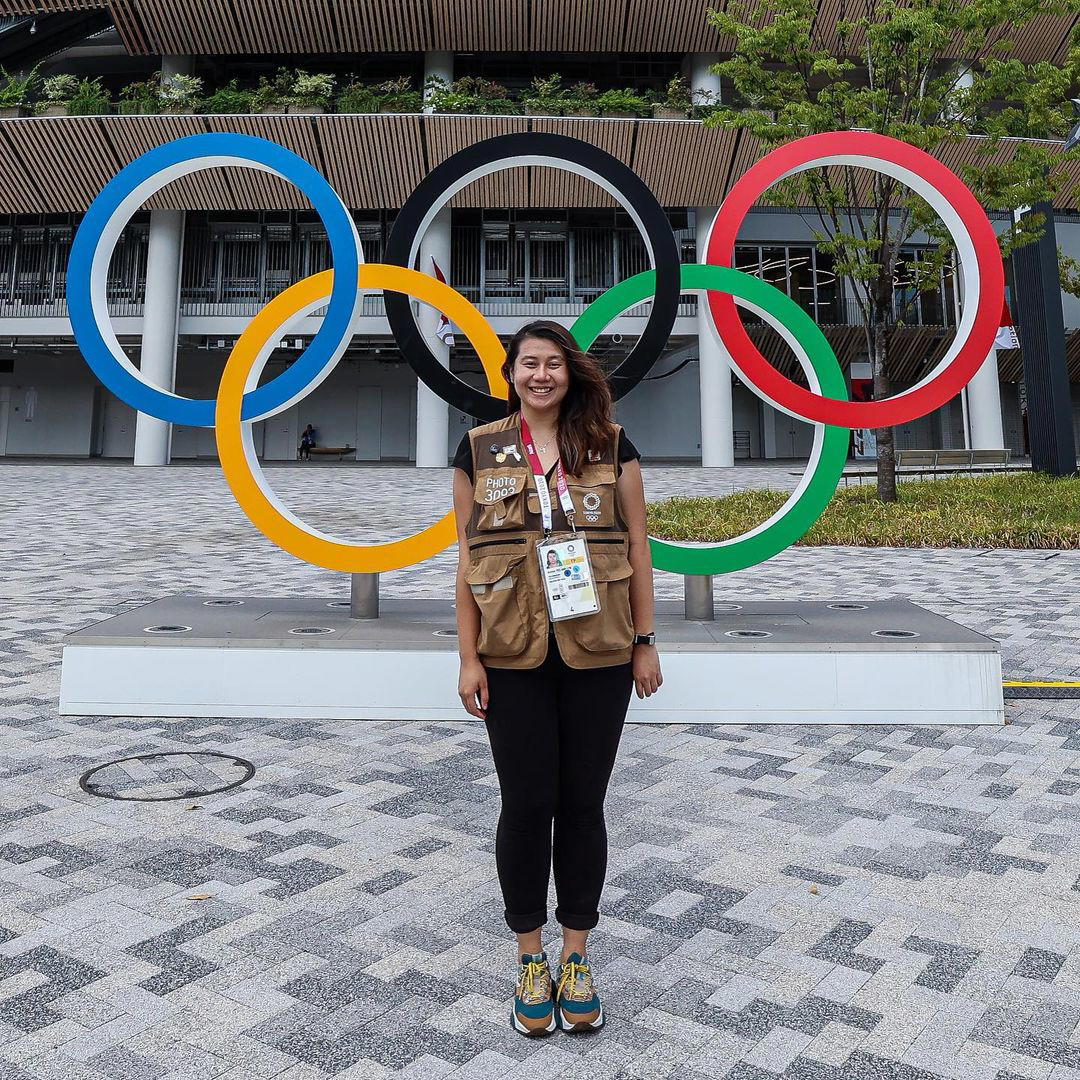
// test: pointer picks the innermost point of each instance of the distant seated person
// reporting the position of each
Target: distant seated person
(307, 441)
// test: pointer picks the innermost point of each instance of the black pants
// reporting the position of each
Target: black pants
(554, 733)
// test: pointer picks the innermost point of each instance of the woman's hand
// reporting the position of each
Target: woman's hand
(473, 688)
(647, 677)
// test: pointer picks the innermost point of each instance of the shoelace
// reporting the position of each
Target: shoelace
(529, 991)
(570, 973)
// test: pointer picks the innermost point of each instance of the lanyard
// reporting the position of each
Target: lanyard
(540, 480)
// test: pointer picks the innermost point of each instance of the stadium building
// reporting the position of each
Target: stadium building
(210, 250)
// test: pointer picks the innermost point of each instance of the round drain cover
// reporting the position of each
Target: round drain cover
(311, 630)
(747, 633)
(166, 628)
(847, 607)
(222, 603)
(444, 633)
(340, 603)
(162, 777)
(894, 633)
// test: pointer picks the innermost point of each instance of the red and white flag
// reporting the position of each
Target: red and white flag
(1006, 335)
(443, 331)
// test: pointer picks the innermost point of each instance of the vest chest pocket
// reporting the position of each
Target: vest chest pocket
(500, 498)
(593, 493)
(611, 627)
(498, 587)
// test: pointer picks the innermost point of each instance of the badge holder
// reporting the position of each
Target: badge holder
(566, 572)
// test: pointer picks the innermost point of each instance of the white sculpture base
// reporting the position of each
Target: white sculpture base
(815, 664)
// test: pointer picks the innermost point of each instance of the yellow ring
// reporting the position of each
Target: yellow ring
(236, 452)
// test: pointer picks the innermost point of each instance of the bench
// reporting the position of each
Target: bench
(325, 451)
(933, 462)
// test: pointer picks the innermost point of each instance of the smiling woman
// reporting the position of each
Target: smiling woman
(555, 611)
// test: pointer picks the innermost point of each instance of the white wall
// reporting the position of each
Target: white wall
(661, 416)
(62, 411)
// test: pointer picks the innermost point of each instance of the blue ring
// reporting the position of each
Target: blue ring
(320, 353)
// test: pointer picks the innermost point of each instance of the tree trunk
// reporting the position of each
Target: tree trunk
(886, 444)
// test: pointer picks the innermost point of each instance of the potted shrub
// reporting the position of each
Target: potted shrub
(273, 92)
(398, 96)
(229, 99)
(180, 94)
(15, 91)
(56, 92)
(358, 97)
(468, 94)
(142, 97)
(674, 102)
(310, 93)
(624, 103)
(581, 100)
(90, 99)
(546, 97)
(66, 95)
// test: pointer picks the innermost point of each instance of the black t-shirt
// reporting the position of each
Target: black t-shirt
(463, 456)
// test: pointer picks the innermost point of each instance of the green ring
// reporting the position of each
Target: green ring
(794, 519)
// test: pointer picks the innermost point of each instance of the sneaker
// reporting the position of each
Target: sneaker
(534, 1011)
(577, 1004)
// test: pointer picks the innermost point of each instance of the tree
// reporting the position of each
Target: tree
(930, 72)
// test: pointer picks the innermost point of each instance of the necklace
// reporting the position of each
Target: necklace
(543, 447)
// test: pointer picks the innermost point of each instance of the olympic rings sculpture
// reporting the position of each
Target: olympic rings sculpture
(241, 401)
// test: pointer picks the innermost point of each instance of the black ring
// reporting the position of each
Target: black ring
(505, 148)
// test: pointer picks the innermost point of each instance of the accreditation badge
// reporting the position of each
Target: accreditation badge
(567, 576)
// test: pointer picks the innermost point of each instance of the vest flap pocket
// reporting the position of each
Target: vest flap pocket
(593, 475)
(495, 485)
(609, 565)
(489, 569)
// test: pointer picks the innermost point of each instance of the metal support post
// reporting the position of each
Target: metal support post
(364, 596)
(699, 597)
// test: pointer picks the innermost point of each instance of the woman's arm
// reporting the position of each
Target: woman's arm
(631, 490)
(472, 681)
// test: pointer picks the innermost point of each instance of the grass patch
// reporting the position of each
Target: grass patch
(1008, 510)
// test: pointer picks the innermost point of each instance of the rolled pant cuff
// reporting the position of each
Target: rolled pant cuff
(526, 924)
(576, 921)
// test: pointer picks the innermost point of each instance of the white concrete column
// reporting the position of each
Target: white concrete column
(714, 374)
(701, 78)
(153, 437)
(432, 413)
(438, 65)
(981, 400)
(984, 407)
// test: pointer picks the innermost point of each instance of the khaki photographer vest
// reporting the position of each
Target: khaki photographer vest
(504, 572)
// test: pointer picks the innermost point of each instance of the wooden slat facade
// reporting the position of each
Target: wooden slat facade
(59, 164)
(212, 27)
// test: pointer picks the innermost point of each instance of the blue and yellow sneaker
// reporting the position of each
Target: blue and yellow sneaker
(534, 1010)
(577, 1004)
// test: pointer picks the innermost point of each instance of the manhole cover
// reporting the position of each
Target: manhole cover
(222, 603)
(340, 603)
(747, 633)
(847, 607)
(444, 633)
(308, 630)
(894, 633)
(166, 628)
(161, 777)
(727, 607)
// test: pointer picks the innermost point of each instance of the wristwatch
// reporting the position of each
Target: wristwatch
(645, 639)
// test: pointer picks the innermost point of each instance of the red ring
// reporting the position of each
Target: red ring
(859, 414)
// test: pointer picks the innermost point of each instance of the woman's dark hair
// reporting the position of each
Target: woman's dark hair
(585, 415)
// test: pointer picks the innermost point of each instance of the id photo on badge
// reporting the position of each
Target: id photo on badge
(568, 580)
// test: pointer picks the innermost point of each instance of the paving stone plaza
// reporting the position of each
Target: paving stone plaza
(809, 903)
